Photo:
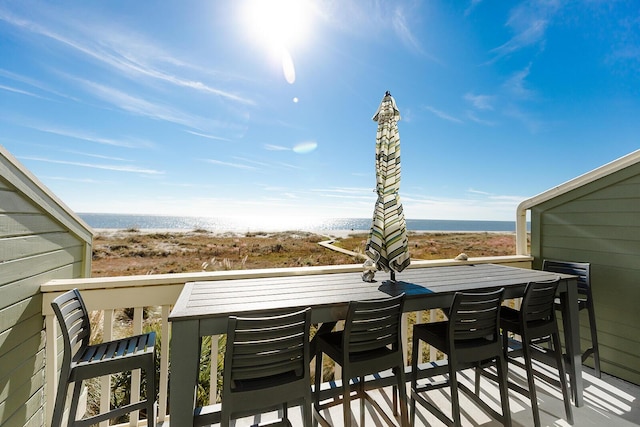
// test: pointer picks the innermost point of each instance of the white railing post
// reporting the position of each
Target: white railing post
(213, 378)
(105, 381)
(421, 343)
(135, 375)
(51, 386)
(432, 351)
(164, 365)
(404, 332)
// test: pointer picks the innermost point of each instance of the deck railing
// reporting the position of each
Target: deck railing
(106, 295)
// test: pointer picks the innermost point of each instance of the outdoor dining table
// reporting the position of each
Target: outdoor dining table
(203, 309)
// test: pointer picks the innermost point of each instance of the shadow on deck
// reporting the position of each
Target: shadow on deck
(608, 402)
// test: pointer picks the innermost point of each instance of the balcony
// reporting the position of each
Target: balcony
(606, 401)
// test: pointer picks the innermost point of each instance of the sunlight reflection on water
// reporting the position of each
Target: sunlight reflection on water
(278, 223)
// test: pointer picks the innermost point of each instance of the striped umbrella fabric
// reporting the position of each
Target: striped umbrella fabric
(388, 245)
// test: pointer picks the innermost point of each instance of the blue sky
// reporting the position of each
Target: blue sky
(230, 108)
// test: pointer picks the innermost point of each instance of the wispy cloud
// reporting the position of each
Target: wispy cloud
(530, 121)
(474, 191)
(106, 46)
(443, 115)
(480, 102)
(20, 91)
(289, 166)
(472, 5)
(33, 83)
(471, 115)
(230, 164)
(204, 135)
(349, 193)
(529, 22)
(403, 27)
(251, 161)
(79, 180)
(272, 147)
(516, 85)
(115, 168)
(403, 30)
(97, 156)
(86, 136)
(143, 107)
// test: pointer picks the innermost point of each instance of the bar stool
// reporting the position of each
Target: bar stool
(81, 361)
(266, 367)
(370, 343)
(585, 301)
(536, 320)
(471, 337)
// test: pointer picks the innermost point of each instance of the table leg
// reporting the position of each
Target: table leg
(185, 358)
(571, 322)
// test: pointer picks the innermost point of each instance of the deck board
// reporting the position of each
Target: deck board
(608, 402)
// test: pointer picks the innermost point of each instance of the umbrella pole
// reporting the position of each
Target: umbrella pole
(393, 276)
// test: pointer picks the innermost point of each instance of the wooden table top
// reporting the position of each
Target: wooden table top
(329, 294)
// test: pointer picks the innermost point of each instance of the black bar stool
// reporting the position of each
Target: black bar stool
(585, 301)
(471, 337)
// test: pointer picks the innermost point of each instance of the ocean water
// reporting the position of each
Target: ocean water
(242, 225)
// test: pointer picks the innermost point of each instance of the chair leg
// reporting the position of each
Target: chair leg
(346, 398)
(502, 368)
(477, 380)
(594, 338)
(414, 378)
(73, 410)
(362, 399)
(394, 390)
(316, 386)
(402, 393)
(307, 412)
(151, 393)
(530, 379)
(563, 379)
(61, 397)
(505, 344)
(455, 400)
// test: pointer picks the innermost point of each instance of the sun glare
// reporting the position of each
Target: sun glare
(279, 23)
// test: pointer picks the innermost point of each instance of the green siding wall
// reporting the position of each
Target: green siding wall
(600, 223)
(34, 248)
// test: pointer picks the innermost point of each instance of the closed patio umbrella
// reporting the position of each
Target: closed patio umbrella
(387, 246)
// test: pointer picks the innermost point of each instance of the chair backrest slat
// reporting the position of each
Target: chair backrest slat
(74, 323)
(372, 325)
(580, 269)
(267, 332)
(259, 348)
(538, 301)
(474, 316)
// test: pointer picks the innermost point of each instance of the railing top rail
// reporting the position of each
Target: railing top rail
(61, 285)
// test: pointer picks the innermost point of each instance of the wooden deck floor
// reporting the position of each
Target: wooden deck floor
(608, 402)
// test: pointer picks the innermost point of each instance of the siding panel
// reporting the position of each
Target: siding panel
(13, 337)
(24, 246)
(15, 357)
(13, 202)
(40, 240)
(594, 232)
(30, 413)
(26, 224)
(20, 311)
(30, 286)
(22, 383)
(599, 223)
(38, 264)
